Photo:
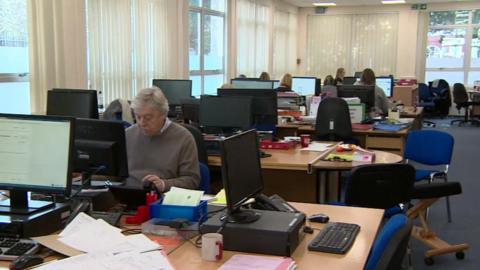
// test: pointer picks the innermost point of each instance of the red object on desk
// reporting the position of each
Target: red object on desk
(143, 211)
(362, 126)
(267, 144)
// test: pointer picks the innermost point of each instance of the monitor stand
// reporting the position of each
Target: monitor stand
(241, 216)
(20, 204)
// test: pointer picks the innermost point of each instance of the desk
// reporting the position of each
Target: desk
(285, 173)
(189, 257)
(393, 142)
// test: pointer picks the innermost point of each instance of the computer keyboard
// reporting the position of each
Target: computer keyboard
(336, 237)
(11, 248)
(111, 218)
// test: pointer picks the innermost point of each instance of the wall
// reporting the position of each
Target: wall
(407, 49)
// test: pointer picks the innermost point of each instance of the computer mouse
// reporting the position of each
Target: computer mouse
(320, 218)
(26, 261)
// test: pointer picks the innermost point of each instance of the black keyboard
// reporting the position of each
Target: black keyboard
(111, 218)
(11, 248)
(336, 237)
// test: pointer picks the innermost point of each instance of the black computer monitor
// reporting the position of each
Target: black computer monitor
(35, 155)
(100, 148)
(174, 90)
(226, 113)
(72, 102)
(386, 83)
(191, 110)
(358, 74)
(350, 80)
(304, 85)
(241, 174)
(264, 107)
(366, 93)
(253, 83)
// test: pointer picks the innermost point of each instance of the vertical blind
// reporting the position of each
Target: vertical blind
(285, 43)
(354, 42)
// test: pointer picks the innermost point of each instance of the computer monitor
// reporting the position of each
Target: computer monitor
(252, 83)
(386, 83)
(35, 155)
(100, 148)
(276, 84)
(366, 93)
(226, 113)
(358, 74)
(174, 90)
(264, 107)
(191, 110)
(350, 80)
(241, 174)
(72, 102)
(304, 85)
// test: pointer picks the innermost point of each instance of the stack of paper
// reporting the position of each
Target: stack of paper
(250, 262)
(318, 147)
(183, 197)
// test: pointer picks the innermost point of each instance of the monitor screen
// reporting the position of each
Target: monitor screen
(72, 102)
(35, 155)
(252, 83)
(174, 90)
(100, 148)
(226, 112)
(358, 74)
(241, 170)
(386, 83)
(304, 85)
(366, 93)
(264, 107)
(276, 84)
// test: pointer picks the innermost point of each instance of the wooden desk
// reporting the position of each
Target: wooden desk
(189, 257)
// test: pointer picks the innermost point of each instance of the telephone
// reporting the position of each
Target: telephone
(273, 203)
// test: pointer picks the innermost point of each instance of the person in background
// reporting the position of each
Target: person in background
(329, 89)
(285, 83)
(159, 151)
(242, 76)
(339, 76)
(381, 100)
(264, 76)
(329, 80)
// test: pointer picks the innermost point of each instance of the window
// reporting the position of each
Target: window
(206, 45)
(14, 79)
(453, 46)
(285, 43)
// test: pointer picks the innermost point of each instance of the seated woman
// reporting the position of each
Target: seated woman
(339, 76)
(285, 83)
(264, 76)
(329, 89)
(381, 101)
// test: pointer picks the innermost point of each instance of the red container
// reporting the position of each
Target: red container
(305, 140)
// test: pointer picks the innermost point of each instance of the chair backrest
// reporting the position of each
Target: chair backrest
(380, 185)
(333, 120)
(430, 147)
(391, 244)
(204, 178)
(424, 93)
(197, 135)
(459, 94)
(439, 86)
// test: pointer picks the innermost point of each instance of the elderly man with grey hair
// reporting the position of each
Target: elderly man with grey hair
(160, 151)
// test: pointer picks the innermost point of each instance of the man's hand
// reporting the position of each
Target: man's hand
(155, 180)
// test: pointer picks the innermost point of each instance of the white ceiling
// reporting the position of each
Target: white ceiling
(309, 3)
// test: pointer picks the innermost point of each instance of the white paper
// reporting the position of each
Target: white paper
(183, 197)
(76, 224)
(318, 147)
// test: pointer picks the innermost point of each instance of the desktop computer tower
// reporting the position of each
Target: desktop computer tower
(275, 233)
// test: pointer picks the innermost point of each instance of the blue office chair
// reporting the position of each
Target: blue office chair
(205, 178)
(432, 148)
(391, 244)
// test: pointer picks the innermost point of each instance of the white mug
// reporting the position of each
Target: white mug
(212, 246)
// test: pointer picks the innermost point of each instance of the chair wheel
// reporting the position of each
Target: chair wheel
(429, 261)
(460, 255)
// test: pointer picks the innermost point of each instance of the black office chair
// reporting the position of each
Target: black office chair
(443, 100)
(460, 97)
(191, 111)
(383, 186)
(197, 135)
(333, 120)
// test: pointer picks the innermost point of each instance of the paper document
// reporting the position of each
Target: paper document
(221, 198)
(250, 262)
(183, 197)
(318, 147)
(154, 260)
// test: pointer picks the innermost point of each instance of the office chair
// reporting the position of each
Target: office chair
(384, 186)
(390, 244)
(202, 158)
(205, 178)
(441, 90)
(191, 111)
(460, 97)
(432, 148)
(333, 120)
(425, 100)
(428, 194)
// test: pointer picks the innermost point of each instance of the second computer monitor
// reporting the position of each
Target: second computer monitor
(366, 94)
(304, 85)
(77, 103)
(226, 113)
(252, 83)
(264, 107)
(386, 83)
(100, 148)
(174, 90)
